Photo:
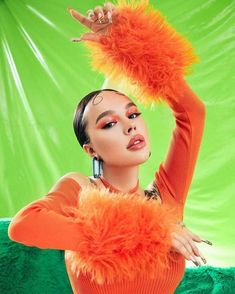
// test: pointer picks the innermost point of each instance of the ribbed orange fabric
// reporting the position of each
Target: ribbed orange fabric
(140, 285)
(44, 223)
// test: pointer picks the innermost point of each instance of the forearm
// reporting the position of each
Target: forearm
(175, 173)
(46, 223)
(38, 227)
(187, 101)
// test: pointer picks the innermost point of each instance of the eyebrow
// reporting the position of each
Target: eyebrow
(107, 112)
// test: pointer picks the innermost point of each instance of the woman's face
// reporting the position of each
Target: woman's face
(112, 121)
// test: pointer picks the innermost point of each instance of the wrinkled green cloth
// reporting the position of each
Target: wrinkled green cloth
(28, 270)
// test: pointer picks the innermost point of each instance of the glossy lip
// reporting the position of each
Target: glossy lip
(137, 146)
(135, 138)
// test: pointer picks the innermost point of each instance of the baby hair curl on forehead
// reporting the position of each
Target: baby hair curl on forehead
(97, 99)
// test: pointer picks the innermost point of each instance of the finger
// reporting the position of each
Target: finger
(194, 247)
(90, 37)
(185, 242)
(108, 14)
(99, 13)
(183, 250)
(76, 39)
(191, 257)
(202, 257)
(81, 18)
(207, 242)
(90, 14)
(197, 252)
(108, 9)
(179, 247)
(195, 237)
(87, 37)
(114, 11)
(109, 6)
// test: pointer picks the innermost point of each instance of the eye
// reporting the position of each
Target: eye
(109, 125)
(135, 114)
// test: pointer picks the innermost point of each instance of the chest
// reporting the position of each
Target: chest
(152, 192)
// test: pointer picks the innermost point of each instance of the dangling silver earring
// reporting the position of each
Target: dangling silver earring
(149, 153)
(96, 167)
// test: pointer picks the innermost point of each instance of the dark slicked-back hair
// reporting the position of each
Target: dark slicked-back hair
(79, 123)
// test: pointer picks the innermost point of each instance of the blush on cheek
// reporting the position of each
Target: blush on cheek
(110, 148)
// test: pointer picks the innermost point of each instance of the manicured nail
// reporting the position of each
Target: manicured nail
(207, 242)
(196, 263)
(76, 40)
(201, 255)
(204, 260)
(99, 18)
(194, 260)
(100, 15)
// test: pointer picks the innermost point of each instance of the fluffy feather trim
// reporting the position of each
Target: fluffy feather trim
(145, 50)
(121, 235)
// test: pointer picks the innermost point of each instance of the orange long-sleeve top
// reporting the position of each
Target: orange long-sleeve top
(43, 224)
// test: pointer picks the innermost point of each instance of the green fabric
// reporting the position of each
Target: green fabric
(28, 270)
(43, 76)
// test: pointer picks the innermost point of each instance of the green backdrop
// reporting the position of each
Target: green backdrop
(43, 75)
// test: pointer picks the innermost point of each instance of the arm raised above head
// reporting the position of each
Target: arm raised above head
(44, 223)
(149, 58)
(175, 173)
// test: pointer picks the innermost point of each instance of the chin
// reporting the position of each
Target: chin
(140, 157)
(144, 158)
(131, 160)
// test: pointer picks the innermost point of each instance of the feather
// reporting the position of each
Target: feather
(121, 235)
(142, 48)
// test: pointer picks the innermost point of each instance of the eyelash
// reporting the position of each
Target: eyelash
(107, 126)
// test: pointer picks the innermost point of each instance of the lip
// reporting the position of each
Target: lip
(139, 145)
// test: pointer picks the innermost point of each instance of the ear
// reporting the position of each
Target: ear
(88, 149)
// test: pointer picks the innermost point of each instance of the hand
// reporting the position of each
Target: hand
(98, 20)
(183, 243)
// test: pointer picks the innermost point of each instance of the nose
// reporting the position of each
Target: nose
(129, 128)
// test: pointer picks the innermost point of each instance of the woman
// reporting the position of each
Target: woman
(118, 237)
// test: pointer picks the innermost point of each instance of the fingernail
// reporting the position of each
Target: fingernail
(76, 40)
(207, 241)
(196, 263)
(69, 9)
(99, 15)
(194, 260)
(204, 260)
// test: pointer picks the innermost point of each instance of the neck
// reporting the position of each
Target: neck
(123, 178)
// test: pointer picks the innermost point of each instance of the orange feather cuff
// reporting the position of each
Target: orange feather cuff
(142, 48)
(120, 235)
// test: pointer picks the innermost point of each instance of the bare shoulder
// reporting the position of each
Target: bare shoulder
(79, 178)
